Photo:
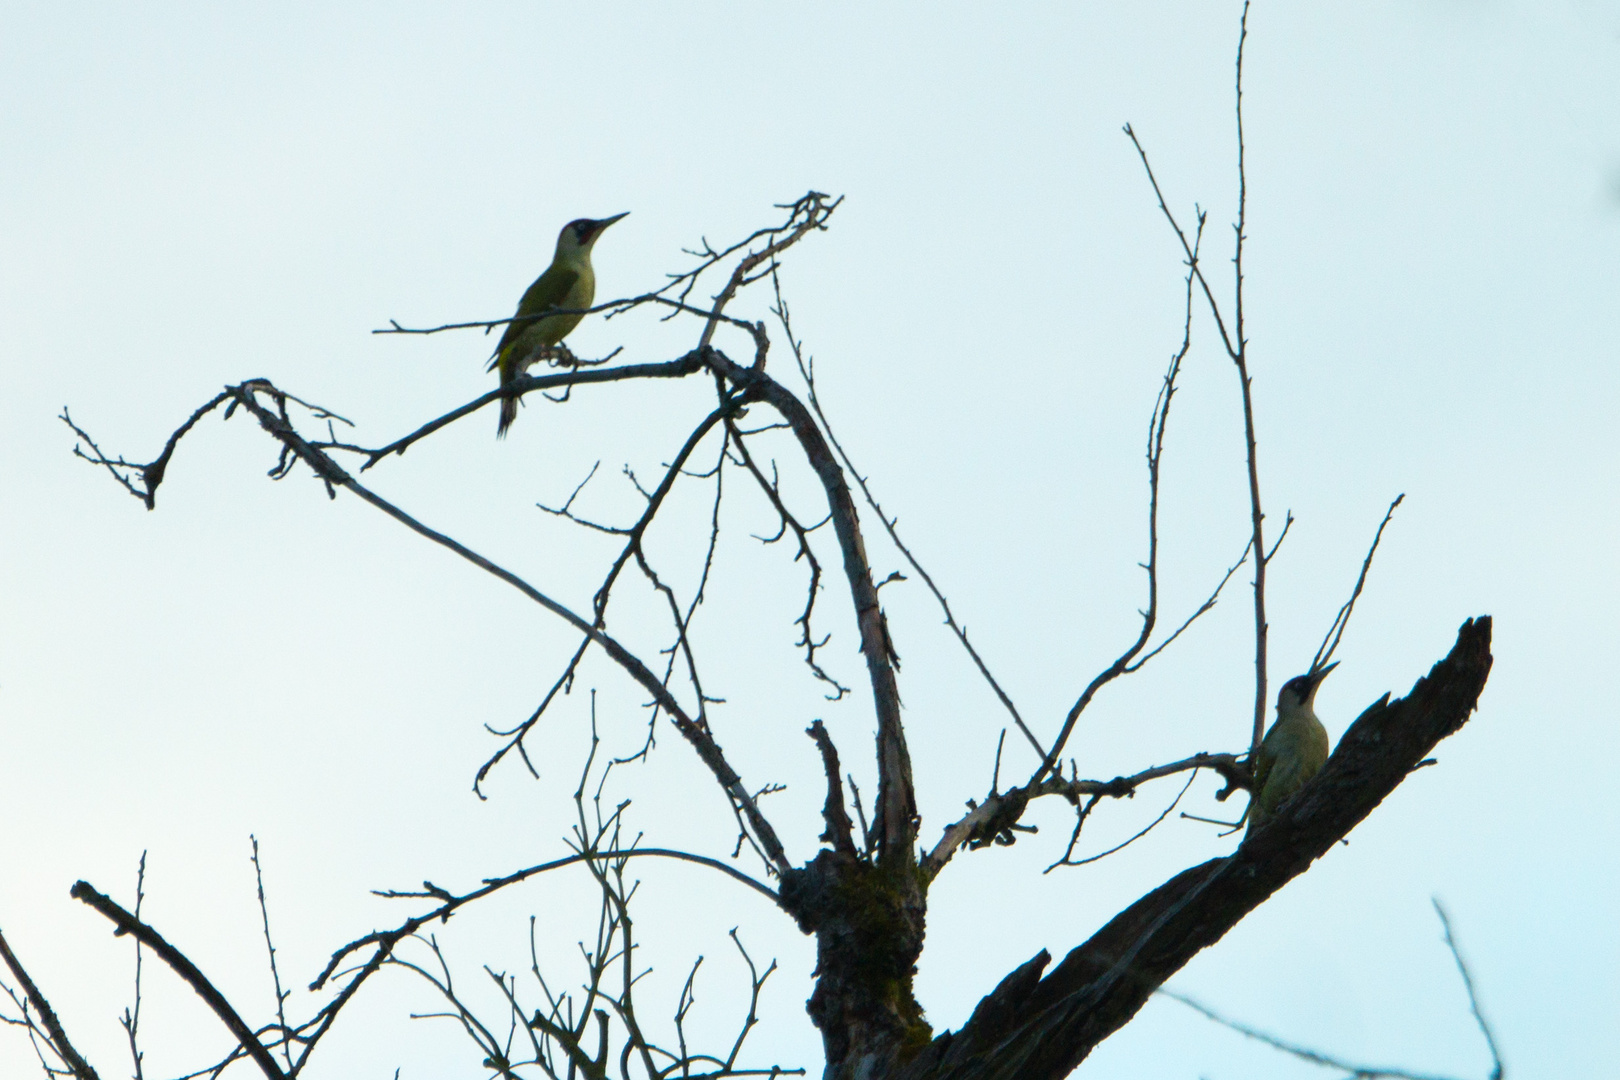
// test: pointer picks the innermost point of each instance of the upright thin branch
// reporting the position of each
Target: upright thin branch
(1240, 357)
(891, 525)
(131, 1020)
(840, 830)
(1157, 425)
(897, 800)
(1330, 642)
(1236, 346)
(270, 951)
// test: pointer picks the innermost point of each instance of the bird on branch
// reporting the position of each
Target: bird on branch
(568, 286)
(1293, 751)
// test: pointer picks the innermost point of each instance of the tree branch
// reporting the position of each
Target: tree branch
(56, 1038)
(1032, 1028)
(708, 750)
(129, 924)
(897, 801)
(840, 830)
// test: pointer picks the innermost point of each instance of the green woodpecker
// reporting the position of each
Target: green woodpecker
(1293, 750)
(569, 283)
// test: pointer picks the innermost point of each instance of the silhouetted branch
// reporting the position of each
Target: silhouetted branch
(131, 1020)
(839, 831)
(708, 750)
(557, 1037)
(897, 801)
(1473, 997)
(183, 967)
(1033, 1028)
(807, 640)
(1069, 860)
(1315, 1057)
(54, 1038)
(1236, 346)
(1050, 764)
(669, 369)
(890, 525)
(983, 823)
(1325, 652)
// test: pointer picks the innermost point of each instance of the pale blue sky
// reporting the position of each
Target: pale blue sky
(195, 194)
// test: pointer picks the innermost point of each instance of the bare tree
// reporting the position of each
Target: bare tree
(865, 893)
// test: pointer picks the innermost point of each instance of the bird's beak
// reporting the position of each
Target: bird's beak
(603, 223)
(1318, 675)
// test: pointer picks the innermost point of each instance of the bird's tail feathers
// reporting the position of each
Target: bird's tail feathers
(509, 408)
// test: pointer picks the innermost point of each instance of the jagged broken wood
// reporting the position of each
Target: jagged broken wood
(1035, 1028)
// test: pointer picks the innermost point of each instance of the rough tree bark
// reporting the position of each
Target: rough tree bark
(1034, 1028)
(869, 932)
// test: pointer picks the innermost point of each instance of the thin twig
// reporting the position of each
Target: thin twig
(891, 525)
(1335, 632)
(708, 750)
(1067, 861)
(270, 949)
(131, 1020)
(1209, 603)
(1315, 1057)
(183, 967)
(1122, 665)
(1468, 984)
(1237, 350)
(807, 640)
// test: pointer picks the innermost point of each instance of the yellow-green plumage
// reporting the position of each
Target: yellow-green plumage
(568, 284)
(1293, 751)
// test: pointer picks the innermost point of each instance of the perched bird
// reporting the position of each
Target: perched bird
(1293, 750)
(568, 284)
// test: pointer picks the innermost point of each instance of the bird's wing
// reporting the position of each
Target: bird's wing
(548, 291)
(1262, 772)
(1265, 756)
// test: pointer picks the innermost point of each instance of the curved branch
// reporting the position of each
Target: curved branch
(708, 750)
(129, 924)
(387, 940)
(890, 525)
(999, 812)
(668, 369)
(897, 801)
